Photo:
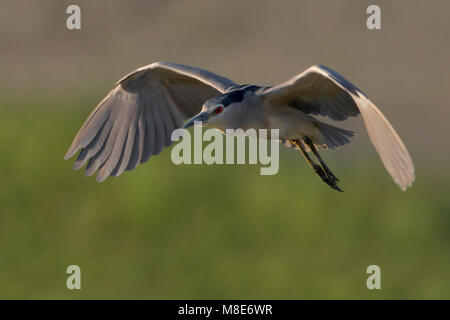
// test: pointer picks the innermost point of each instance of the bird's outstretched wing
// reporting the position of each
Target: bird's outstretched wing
(322, 91)
(136, 119)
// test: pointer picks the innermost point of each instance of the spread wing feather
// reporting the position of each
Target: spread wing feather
(136, 119)
(322, 91)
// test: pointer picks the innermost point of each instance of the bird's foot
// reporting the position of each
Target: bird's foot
(331, 175)
(328, 177)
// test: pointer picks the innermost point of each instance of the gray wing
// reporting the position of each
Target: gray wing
(136, 119)
(322, 91)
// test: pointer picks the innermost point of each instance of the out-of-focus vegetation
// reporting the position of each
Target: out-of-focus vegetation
(167, 231)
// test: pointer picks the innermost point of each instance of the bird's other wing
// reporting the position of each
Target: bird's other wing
(136, 119)
(322, 91)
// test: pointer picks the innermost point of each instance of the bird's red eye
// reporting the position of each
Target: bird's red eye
(219, 109)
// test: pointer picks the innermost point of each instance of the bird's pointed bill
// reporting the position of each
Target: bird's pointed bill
(198, 118)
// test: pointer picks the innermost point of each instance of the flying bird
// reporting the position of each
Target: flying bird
(136, 119)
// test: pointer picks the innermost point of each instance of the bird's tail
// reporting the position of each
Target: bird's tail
(333, 137)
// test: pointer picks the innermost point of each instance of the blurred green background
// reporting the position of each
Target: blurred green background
(221, 232)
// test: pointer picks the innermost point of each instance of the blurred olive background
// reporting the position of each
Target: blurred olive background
(187, 232)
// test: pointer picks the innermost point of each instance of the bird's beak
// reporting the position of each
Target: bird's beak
(202, 116)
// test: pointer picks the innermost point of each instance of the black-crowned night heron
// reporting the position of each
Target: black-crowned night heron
(136, 119)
